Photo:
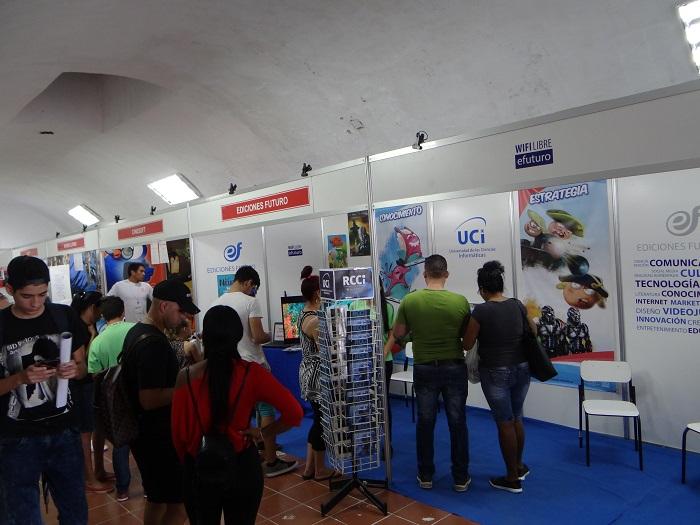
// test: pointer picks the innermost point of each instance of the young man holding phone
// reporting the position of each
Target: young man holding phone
(36, 436)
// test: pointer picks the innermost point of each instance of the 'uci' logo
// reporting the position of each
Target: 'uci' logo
(232, 253)
(471, 231)
(681, 223)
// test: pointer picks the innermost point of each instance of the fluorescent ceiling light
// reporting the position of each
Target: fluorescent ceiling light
(84, 215)
(689, 12)
(690, 15)
(174, 189)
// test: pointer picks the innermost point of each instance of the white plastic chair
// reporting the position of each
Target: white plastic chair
(610, 372)
(695, 427)
(406, 377)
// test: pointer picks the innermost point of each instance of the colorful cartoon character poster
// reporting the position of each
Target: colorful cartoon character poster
(84, 268)
(358, 233)
(567, 272)
(117, 262)
(337, 251)
(402, 238)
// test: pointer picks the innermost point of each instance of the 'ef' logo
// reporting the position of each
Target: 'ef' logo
(681, 223)
(233, 252)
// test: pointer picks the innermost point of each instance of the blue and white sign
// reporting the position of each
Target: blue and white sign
(535, 153)
(294, 250)
(233, 251)
(346, 283)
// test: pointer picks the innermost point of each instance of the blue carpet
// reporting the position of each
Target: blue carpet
(560, 488)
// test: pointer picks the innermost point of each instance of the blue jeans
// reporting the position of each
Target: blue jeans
(23, 460)
(505, 388)
(120, 464)
(448, 378)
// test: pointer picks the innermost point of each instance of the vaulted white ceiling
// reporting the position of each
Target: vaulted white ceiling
(244, 91)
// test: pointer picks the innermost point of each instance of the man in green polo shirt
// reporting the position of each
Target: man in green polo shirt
(104, 353)
(436, 318)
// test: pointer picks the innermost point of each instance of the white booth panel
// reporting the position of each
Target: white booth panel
(469, 232)
(340, 189)
(217, 258)
(170, 225)
(660, 259)
(290, 247)
(643, 137)
(337, 225)
(38, 249)
(74, 244)
(267, 205)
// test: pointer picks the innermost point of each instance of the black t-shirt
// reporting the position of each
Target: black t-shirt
(500, 333)
(30, 410)
(150, 363)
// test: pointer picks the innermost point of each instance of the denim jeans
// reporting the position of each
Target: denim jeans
(505, 388)
(120, 463)
(23, 460)
(450, 380)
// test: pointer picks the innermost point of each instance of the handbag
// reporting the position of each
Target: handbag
(541, 368)
(472, 362)
(216, 461)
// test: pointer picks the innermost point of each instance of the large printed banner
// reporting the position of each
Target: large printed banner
(470, 232)
(567, 273)
(84, 268)
(117, 262)
(402, 240)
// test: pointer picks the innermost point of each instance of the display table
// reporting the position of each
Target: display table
(285, 367)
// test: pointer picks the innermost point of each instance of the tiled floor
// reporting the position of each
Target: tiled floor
(286, 500)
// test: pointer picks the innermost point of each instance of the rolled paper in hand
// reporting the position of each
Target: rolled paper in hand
(62, 390)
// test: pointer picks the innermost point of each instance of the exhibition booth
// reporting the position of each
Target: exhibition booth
(593, 212)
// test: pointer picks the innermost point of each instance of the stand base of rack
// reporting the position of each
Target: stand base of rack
(345, 486)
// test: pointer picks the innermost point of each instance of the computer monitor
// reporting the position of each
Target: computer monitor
(292, 307)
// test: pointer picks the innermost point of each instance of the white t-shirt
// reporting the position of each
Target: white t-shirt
(246, 307)
(135, 296)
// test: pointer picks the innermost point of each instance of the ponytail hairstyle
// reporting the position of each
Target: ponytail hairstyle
(490, 277)
(221, 331)
(310, 284)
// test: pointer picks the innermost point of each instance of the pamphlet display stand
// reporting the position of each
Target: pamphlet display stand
(352, 389)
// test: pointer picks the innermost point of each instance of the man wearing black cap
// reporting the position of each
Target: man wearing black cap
(35, 423)
(150, 369)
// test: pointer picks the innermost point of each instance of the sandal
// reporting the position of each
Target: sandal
(307, 477)
(332, 475)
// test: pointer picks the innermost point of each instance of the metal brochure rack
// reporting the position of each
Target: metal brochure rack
(352, 384)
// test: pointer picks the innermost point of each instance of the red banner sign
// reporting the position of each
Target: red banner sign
(285, 200)
(71, 245)
(33, 252)
(140, 230)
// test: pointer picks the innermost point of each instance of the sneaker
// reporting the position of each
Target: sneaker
(278, 468)
(122, 496)
(523, 472)
(462, 487)
(424, 484)
(503, 484)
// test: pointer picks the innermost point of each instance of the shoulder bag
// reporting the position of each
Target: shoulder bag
(541, 368)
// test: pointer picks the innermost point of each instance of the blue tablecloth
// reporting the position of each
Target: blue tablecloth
(285, 367)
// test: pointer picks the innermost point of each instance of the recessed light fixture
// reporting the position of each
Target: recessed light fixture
(690, 15)
(84, 215)
(174, 189)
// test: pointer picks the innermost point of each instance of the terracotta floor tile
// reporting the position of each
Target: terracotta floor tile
(347, 501)
(394, 500)
(275, 504)
(281, 483)
(299, 515)
(421, 513)
(306, 491)
(453, 519)
(360, 514)
(124, 519)
(105, 512)
(393, 519)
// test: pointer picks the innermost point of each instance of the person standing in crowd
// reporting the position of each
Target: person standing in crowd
(220, 393)
(36, 437)
(135, 293)
(310, 376)
(241, 297)
(104, 353)
(186, 346)
(435, 318)
(149, 367)
(498, 324)
(390, 346)
(83, 391)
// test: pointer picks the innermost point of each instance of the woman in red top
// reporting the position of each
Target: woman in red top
(216, 382)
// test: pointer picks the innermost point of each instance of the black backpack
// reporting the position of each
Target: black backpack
(216, 460)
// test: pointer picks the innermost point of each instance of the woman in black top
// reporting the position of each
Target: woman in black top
(498, 324)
